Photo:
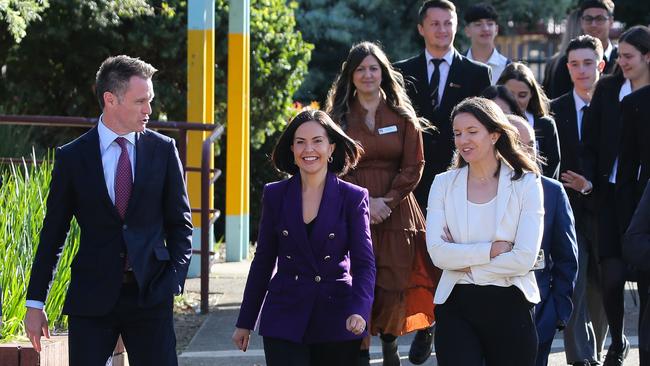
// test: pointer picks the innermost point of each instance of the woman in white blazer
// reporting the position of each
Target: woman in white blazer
(484, 230)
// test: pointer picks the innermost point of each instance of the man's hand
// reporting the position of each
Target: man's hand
(575, 181)
(36, 326)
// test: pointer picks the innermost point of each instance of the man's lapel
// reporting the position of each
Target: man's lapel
(145, 147)
(92, 161)
(453, 84)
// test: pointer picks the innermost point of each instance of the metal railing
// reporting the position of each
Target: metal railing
(208, 175)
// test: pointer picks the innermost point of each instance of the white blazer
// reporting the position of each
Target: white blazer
(519, 219)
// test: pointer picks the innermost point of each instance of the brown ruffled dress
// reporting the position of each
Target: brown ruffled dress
(391, 166)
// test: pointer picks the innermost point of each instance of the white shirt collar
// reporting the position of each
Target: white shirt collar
(448, 57)
(579, 103)
(107, 136)
(608, 51)
(626, 89)
(496, 59)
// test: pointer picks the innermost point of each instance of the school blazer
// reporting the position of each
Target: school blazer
(519, 218)
(320, 279)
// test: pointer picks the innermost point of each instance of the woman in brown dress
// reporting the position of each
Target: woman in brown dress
(369, 101)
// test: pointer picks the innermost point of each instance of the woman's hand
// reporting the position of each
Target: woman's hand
(379, 211)
(499, 247)
(241, 338)
(355, 324)
(446, 235)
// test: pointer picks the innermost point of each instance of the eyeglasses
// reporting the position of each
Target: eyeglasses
(589, 19)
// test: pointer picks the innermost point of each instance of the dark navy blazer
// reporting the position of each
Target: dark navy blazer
(557, 279)
(156, 231)
(322, 279)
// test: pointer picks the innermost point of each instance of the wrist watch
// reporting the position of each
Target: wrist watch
(586, 190)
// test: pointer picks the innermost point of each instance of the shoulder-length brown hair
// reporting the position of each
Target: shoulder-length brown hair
(342, 91)
(507, 146)
(346, 152)
(539, 102)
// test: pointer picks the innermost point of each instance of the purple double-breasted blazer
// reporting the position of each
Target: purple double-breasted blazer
(321, 279)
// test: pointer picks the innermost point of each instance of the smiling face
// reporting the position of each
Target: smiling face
(438, 28)
(129, 112)
(367, 76)
(633, 63)
(311, 148)
(482, 32)
(520, 91)
(597, 22)
(472, 140)
(584, 68)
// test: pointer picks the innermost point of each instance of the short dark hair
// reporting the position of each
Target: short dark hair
(346, 152)
(586, 41)
(601, 4)
(481, 11)
(116, 71)
(431, 4)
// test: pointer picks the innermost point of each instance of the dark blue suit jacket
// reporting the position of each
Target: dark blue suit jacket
(322, 279)
(156, 231)
(557, 279)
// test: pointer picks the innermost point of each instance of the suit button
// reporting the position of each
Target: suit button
(285, 233)
(296, 278)
(327, 257)
(331, 236)
(317, 278)
(288, 257)
(125, 226)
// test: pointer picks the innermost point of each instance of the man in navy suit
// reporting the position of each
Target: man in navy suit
(584, 336)
(124, 185)
(436, 80)
(596, 20)
(556, 276)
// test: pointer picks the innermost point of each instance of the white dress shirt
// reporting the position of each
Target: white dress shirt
(110, 152)
(497, 63)
(444, 70)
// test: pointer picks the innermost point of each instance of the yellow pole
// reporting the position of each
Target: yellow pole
(200, 103)
(238, 132)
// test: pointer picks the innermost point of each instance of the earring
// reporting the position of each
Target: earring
(330, 159)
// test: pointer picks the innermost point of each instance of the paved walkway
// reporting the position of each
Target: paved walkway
(211, 346)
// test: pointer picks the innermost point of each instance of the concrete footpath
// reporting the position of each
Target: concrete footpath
(212, 345)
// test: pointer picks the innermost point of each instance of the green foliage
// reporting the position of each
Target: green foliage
(52, 71)
(22, 208)
(17, 14)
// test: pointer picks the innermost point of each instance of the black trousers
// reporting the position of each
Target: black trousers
(281, 352)
(485, 325)
(148, 333)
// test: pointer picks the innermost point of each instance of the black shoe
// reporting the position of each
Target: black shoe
(421, 346)
(390, 353)
(615, 357)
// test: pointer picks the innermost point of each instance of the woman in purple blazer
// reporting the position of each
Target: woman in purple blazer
(316, 228)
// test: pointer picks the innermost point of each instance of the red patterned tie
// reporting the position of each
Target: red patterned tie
(123, 178)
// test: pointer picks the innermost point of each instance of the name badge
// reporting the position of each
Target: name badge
(388, 129)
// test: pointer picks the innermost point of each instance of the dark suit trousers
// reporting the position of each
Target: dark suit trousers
(148, 333)
(280, 352)
(485, 325)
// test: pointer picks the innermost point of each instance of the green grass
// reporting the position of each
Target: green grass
(22, 209)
